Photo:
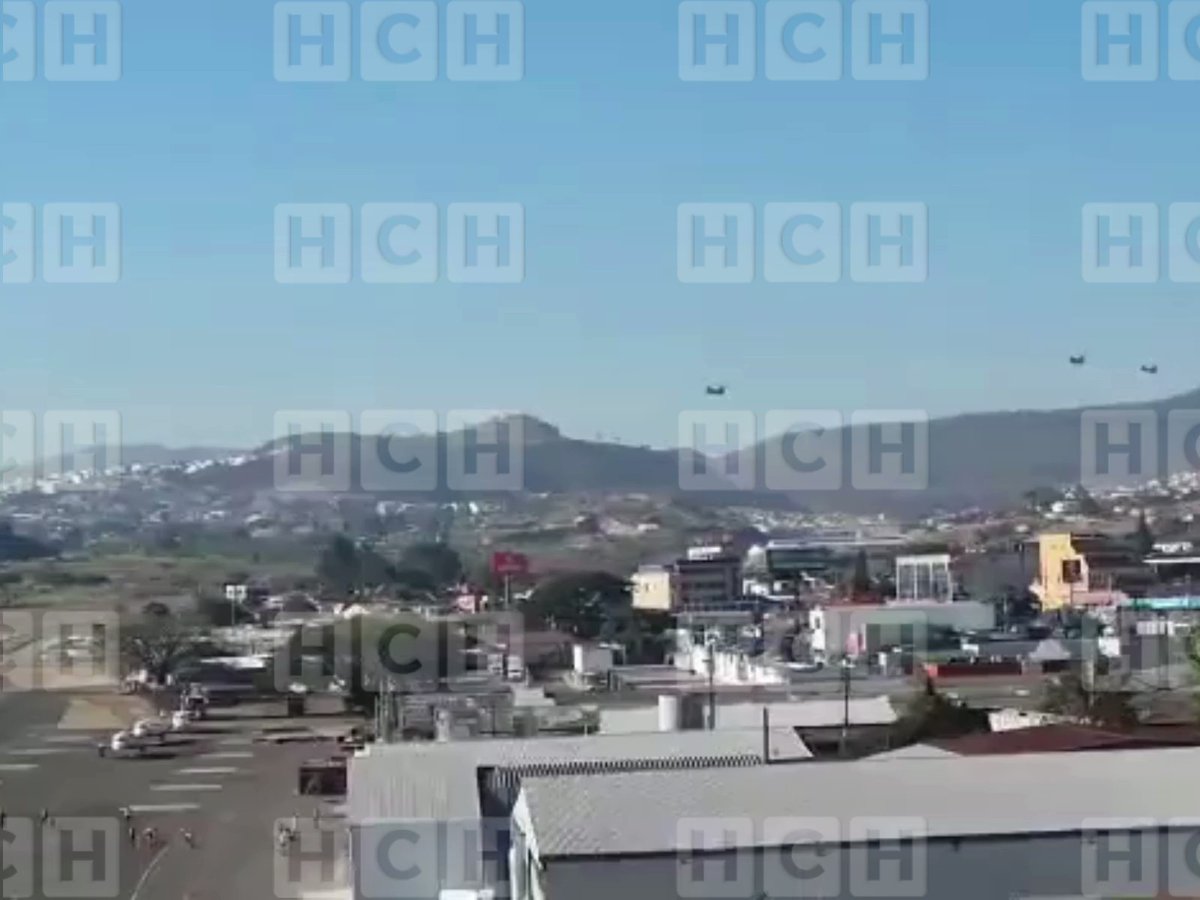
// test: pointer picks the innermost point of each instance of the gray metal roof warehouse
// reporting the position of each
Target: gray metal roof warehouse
(640, 813)
(438, 781)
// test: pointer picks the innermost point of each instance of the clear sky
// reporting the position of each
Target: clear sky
(601, 141)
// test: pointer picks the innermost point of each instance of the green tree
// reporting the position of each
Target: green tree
(579, 602)
(1143, 537)
(160, 644)
(930, 715)
(339, 566)
(860, 578)
(1069, 695)
(438, 560)
(1087, 503)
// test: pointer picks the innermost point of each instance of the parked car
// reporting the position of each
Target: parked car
(124, 742)
(150, 729)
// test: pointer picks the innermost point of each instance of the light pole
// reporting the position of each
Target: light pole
(846, 668)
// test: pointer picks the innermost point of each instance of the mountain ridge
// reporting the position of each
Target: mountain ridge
(985, 459)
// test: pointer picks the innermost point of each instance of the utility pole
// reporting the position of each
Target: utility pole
(712, 694)
(845, 705)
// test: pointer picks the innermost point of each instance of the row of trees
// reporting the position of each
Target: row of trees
(348, 568)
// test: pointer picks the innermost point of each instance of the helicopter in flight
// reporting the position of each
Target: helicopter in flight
(1078, 360)
(715, 390)
(1150, 370)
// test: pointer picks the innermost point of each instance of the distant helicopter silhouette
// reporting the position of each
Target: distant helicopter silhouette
(717, 390)
(1150, 370)
(1078, 360)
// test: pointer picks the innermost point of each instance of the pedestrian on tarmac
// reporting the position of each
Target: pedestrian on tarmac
(45, 816)
(133, 835)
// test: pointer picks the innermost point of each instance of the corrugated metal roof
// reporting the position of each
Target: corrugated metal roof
(637, 813)
(915, 751)
(438, 780)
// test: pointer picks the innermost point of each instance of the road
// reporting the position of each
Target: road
(225, 788)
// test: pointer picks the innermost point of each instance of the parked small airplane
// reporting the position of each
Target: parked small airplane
(717, 390)
(1078, 360)
(1150, 370)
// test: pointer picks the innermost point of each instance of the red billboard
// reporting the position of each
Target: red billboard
(506, 563)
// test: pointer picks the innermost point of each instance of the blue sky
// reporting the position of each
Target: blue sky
(601, 141)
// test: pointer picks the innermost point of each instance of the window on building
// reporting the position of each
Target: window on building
(1072, 571)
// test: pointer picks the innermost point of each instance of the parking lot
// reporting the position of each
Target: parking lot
(220, 781)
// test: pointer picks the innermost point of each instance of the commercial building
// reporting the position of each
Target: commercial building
(1091, 824)
(653, 588)
(924, 577)
(428, 797)
(1077, 569)
(858, 629)
(705, 577)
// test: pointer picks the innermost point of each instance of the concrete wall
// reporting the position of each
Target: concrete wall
(981, 869)
(872, 627)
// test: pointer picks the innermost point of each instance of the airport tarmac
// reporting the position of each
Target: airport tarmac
(216, 782)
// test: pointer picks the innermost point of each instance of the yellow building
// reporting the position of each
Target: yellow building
(1084, 568)
(653, 588)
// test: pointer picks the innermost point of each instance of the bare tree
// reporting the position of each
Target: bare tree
(158, 644)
